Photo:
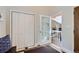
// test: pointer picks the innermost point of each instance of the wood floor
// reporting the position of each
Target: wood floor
(44, 49)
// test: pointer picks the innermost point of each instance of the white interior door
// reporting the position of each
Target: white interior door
(22, 30)
(44, 29)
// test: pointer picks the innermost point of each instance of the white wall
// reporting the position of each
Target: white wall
(3, 22)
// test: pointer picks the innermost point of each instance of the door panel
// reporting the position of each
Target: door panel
(76, 29)
(44, 29)
(22, 30)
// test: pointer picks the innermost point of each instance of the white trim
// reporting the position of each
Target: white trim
(66, 50)
(25, 12)
(43, 16)
(10, 25)
(56, 47)
(60, 49)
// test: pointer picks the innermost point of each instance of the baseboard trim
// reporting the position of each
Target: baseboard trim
(66, 50)
(60, 49)
(56, 47)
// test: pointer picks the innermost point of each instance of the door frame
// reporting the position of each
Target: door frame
(18, 11)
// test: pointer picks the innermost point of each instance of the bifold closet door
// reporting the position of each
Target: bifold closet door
(22, 30)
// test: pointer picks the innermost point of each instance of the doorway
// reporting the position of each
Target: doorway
(56, 30)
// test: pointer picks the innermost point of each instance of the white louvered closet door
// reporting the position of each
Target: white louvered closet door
(22, 30)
